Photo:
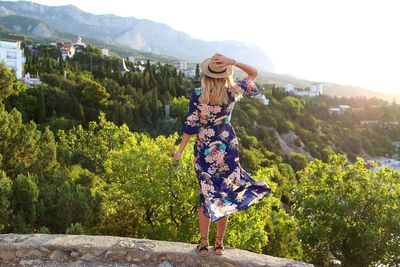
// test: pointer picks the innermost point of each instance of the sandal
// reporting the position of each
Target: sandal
(202, 247)
(219, 246)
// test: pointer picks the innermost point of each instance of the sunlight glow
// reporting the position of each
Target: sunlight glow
(349, 42)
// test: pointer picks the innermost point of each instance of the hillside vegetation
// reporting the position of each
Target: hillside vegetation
(91, 153)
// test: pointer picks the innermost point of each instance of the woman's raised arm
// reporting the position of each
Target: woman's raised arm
(222, 60)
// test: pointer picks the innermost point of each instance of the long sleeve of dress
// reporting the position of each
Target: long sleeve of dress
(191, 125)
(248, 87)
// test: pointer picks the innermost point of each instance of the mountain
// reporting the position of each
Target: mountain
(140, 34)
(27, 25)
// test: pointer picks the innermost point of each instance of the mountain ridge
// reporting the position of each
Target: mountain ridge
(141, 34)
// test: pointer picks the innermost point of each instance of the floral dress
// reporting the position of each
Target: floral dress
(225, 187)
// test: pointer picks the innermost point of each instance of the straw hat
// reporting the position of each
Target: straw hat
(211, 69)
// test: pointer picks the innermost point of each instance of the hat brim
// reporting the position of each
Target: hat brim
(204, 68)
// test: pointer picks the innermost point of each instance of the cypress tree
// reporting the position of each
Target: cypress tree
(61, 64)
(41, 112)
(197, 71)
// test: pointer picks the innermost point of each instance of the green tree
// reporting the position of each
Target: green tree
(5, 199)
(95, 95)
(349, 213)
(9, 84)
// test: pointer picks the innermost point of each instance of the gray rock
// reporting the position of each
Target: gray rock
(165, 264)
(88, 251)
(89, 257)
(7, 255)
(58, 256)
(24, 262)
(29, 253)
(75, 254)
(115, 255)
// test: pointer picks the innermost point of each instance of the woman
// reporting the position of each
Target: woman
(225, 187)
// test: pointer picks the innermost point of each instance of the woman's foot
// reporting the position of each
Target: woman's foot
(203, 247)
(218, 248)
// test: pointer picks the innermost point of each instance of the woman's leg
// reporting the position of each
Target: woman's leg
(221, 227)
(204, 225)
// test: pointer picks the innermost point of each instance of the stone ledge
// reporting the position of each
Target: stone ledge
(82, 250)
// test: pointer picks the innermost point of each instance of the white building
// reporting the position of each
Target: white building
(289, 87)
(340, 110)
(67, 50)
(104, 51)
(79, 45)
(31, 81)
(131, 59)
(263, 98)
(182, 65)
(189, 73)
(11, 56)
(316, 88)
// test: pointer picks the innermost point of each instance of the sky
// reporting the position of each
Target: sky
(349, 42)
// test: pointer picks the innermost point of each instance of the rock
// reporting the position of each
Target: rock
(7, 255)
(136, 256)
(75, 254)
(58, 256)
(89, 257)
(24, 262)
(165, 264)
(45, 250)
(176, 258)
(29, 253)
(115, 255)
(81, 250)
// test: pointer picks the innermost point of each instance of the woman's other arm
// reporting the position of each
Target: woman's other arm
(185, 140)
(222, 60)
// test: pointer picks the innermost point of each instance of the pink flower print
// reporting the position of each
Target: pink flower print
(206, 109)
(216, 109)
(206, 188)
(225, 134)
(234, 142)
(193, 117)
(192, 123)
(224, 194)
(209, 159)
(211, 170)
(210, 132)
(197, 167)
(260, 196)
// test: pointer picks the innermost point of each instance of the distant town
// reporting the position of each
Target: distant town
(11, 54)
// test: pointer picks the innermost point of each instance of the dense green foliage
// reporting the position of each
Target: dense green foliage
(349, 212)
(91, 153)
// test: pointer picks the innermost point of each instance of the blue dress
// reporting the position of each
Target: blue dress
(225, 187)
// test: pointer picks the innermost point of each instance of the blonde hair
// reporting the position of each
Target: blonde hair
(213, 90)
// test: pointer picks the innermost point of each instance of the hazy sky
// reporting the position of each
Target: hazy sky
(344, 41)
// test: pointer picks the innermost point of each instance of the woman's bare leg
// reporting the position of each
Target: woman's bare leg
(221, 227)
(204, 225)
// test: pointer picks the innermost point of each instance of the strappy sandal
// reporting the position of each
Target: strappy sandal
(219, 246)
(202, 247)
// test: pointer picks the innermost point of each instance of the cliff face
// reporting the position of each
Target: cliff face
(75, 250)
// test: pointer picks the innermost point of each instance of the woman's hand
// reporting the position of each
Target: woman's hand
(176, 157)
(222, 61)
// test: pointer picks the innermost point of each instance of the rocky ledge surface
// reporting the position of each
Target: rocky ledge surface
(82, 250)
